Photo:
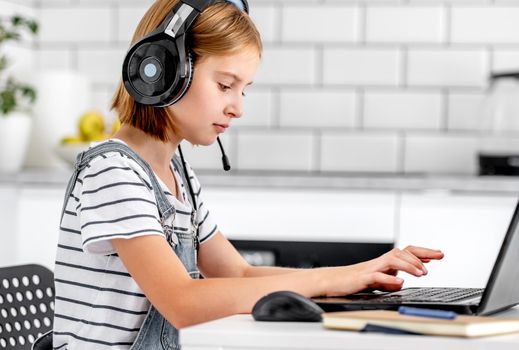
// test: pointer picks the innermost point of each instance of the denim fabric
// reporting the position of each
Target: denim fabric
(155, 332)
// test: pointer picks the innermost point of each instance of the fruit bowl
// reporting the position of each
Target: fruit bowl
(69, 152)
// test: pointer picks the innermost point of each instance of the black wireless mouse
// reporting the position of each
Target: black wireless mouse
(286, 306)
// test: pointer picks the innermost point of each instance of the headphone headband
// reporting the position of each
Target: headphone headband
(158, 69)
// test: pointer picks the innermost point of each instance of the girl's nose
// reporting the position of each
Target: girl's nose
(235, 108)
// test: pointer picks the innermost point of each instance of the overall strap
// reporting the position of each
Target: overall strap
(180, 166)
(83, 158)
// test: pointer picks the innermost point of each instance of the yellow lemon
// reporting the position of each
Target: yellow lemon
(67, 140)
(91, 125)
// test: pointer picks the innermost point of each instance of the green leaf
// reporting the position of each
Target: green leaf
(28, 92)
(7, 101)
(33, 26)
(3, 62)
(16, 20)
(14, 95)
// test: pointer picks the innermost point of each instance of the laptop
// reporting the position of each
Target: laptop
(500, 293)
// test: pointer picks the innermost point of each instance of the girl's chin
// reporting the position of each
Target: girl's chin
(203, 142)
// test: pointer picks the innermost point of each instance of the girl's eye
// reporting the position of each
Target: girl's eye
(223, 87)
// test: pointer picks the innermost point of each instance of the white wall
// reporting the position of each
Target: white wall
(366, 85)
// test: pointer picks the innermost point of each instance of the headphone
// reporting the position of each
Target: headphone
(158, 69)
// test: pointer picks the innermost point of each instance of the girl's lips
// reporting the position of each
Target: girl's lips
(220, 127)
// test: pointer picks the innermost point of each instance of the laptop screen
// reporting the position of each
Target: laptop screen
(502, 289)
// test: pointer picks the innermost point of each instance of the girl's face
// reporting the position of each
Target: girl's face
(215, 96)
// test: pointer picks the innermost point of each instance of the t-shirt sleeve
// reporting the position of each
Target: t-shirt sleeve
(207, 226)
(116, 201)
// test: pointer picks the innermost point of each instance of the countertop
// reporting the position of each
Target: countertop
(306, 180)
(242, 332)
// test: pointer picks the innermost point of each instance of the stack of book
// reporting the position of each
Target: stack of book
(395, 322)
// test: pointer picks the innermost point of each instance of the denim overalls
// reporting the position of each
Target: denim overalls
(155, 332)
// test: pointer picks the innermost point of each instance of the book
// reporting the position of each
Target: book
(461, 326)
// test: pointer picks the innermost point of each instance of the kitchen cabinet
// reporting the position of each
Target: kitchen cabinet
(8, 224)
(303, 215)
(29, 221)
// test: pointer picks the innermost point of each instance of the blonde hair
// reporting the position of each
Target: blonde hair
(221, 29)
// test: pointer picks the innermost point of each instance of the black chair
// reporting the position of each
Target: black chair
(26, 307)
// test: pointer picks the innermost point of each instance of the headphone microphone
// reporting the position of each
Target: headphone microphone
(225, 160)
(158, 69)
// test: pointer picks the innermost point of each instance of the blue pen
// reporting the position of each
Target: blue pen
(415, 311)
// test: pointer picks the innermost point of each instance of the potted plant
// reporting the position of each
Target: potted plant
(16, 99)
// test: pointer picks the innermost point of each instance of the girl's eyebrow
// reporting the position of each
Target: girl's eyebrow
(234, 76)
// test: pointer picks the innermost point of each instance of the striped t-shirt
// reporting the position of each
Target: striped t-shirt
(98, 304)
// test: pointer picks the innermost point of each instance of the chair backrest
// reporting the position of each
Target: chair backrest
(26, 305)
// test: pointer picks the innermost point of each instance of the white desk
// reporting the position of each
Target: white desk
(242, 332)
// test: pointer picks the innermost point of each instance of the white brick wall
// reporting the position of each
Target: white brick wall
(386, 24)
(320, 24)
(447, 67)
(402, 110)
(351, 85)
(449, 153)
(75, 24)
(275, 150)
(362, 66)
(359, 152)
(318, 108)
(485, 25)
(290, 65)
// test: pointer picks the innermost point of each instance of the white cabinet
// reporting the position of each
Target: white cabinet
(8, 224)
(29, 222)
(303, 215)
(38, 225)
(469, 229)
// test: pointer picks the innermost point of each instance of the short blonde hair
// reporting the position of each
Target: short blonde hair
(221, 29)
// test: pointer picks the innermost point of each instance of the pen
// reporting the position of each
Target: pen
(384, 329)
(414, 311)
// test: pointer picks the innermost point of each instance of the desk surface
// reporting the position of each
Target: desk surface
(242, 332)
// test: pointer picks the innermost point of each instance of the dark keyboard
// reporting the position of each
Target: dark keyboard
(429, 295)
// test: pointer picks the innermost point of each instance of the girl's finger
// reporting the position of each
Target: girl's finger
(382, 279)
(412, 259)
(425, 253)
(398, 263)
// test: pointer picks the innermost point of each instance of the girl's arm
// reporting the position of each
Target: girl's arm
(218, 258)
(184, 301)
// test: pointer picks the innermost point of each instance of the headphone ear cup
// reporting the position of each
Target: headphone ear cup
(186, 82)
(151, 71)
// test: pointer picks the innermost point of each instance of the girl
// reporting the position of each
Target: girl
(135, 233)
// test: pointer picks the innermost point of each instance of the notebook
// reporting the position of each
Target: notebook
(461, 326)
(500, 293)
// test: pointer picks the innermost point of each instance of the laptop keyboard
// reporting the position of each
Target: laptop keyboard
(429, 295)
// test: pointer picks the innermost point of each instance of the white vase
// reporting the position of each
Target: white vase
(63, 96)
(15, 129)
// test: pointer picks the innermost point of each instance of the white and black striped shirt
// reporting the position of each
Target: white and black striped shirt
(98, 304)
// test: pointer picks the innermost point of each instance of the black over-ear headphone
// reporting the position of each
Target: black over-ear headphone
(158, 69)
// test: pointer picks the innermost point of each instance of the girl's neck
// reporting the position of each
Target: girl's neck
(157, 153)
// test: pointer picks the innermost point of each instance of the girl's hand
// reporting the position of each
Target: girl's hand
(380, 273)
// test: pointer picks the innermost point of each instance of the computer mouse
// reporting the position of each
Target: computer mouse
(285, 306)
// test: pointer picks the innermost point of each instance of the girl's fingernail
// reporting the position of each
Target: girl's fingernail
(399, 280)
